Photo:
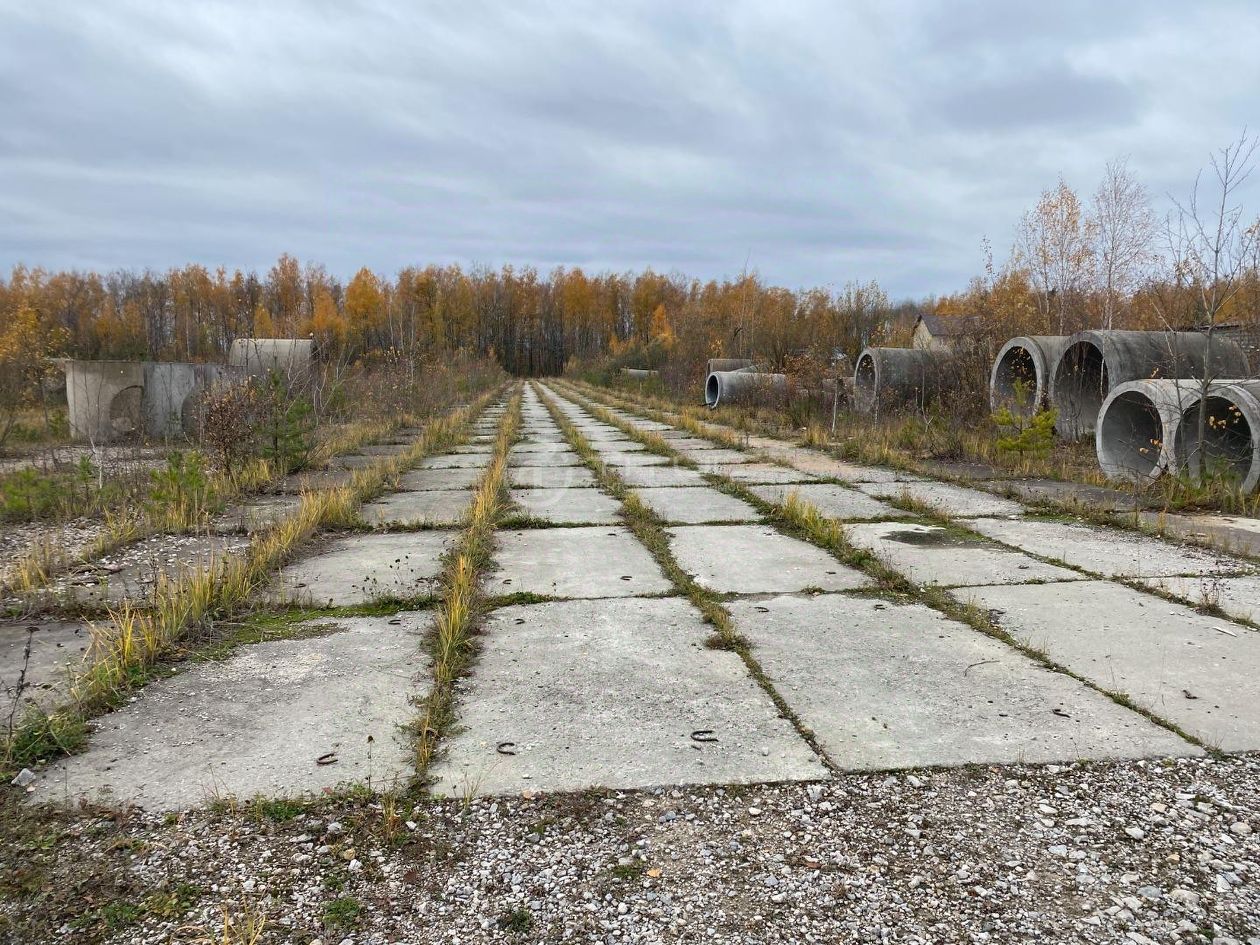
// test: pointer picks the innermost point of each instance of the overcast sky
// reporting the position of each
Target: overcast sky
(821, 142)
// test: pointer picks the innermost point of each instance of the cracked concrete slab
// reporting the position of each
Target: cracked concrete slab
(384, 449)
(42, 676)
(609, 694)
(1108, 551)
(359, 569)
(354, 461)
(410, 509)
(820, 464)
(929, 554)
(1239, 597)
(648, 477)
(574, 562)
(1196, 671)
(756, 559)
(539, 446)
(946, 498)
(886, 685)
(313, 480)
(697, 505)
(423, 480)
(551, 477)
(624, 460)
(834, 501)
(259, 723)
(717, 455)
(568, 506)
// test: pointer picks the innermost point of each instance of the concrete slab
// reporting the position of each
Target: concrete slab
(887, 685)
(569, 458)
(574, 562)
(946, 498)
(756, 559)
(41, 675)
(568, 506)
(1108, 551)
(260, 722)
(1234, 533)
(551, 477)
(455, 461)
(618, 447)
(132, 572)
(624, 460)
(1073, 494)
(540, 446)
(834, 501)
(609, 694)
(1237, 596)
(928, 554)
(697, 505)
(716, 455)
(648, 477)
(423, 480)
(1196, 671)
(751, 473)
(353, 461)
(313, 480)
(411, 509)
(256, 514)
(384, 449)
(820, 464)
(604, 435)
(359, 569)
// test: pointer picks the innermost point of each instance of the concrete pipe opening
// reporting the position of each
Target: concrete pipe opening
(1131, 436)
(865, 382)
(1020, 378)
(712, 390)
(1080, 385)
(1230, 445)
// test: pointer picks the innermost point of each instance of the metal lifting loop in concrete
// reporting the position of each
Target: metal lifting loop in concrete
(895, 377)
(1137, 425)
(1028, 360)
(728, 385)
(1231, 440)
(1094, 363)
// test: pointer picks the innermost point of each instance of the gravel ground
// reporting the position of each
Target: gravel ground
(73, 538)
(1160, 851)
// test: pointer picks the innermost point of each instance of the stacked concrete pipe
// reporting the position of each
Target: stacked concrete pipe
(731, 385)
(1093, 363)
(1137, 427)
(1027, 359)
(897, 377)
(1233, 436)
(727, 364)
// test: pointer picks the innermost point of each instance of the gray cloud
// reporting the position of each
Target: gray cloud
(823, 142)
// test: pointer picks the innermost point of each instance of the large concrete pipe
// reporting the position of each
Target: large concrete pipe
(1230, 446)
(1137, 426)
(638, 374)
(1025, 360)
(897, 377)
(104, 399)
(257, 357)
(726, 364)
(725, 386)
(1094, 363)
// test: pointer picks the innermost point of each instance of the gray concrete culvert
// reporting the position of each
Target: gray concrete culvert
(1231, 444)
(727, 386)
(897, 377)
(1137, 423)
(1026, 359)
(726, 364)
(1094, 363)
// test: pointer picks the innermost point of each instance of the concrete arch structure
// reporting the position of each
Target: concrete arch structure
(897, 377)
(1093, 363)
(104, 398)
(1027, 359)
